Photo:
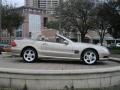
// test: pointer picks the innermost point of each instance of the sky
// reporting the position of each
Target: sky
(17, 3)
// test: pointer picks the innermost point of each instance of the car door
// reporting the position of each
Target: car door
(57, 49)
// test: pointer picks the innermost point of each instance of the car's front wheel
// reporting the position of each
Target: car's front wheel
(90, 56)
(29, 55)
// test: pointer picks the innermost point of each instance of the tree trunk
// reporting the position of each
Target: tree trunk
(102, 35)
(101, 41)
(82, 37)
(10, 38)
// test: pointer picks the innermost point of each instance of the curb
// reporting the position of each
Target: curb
(114, 59)
(60, 79)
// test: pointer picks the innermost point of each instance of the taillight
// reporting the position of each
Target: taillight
(13, 44)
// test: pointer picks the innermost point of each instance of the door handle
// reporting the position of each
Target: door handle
(44, 44)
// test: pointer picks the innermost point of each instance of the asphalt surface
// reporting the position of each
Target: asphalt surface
(7, 61)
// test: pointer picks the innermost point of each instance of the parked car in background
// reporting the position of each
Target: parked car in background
(117, 44)
(58, 47)
(4, 47)
(1, 50)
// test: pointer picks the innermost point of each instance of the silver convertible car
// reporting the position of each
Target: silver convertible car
(59, 47)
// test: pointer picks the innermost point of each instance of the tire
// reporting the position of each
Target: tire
(90, 57)
(29, 55)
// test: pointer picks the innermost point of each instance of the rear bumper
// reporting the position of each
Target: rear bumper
(15, 52)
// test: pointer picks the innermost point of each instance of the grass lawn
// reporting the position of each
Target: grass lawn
(115, 50)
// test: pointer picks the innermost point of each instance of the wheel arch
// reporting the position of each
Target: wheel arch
(89, 49)
(26, 48)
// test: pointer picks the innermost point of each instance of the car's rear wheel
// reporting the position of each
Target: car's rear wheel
(90, 56)
(29, 55)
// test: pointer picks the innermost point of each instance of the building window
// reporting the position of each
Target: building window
(45, 21)
(30, 34)
(19, 34)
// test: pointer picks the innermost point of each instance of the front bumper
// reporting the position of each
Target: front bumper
(104, 56)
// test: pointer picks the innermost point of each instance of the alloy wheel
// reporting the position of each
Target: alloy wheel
(90, 57)
(29, 55)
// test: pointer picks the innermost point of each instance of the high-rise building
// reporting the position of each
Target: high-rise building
(47, 5)
(31, 3)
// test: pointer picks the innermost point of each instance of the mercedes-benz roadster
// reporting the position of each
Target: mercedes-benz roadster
(58, 47)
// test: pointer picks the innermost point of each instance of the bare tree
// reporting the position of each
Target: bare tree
(107, 17)
(102, 27)
(109, 13)
(76, 14)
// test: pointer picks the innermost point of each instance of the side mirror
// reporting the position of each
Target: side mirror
(66, 42)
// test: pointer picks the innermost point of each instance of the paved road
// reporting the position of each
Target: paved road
(6, 61)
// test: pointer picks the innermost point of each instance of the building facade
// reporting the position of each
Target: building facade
(47, 5)
(31, 3)
(33, 22)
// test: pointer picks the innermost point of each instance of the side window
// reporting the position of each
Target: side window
(59, 40)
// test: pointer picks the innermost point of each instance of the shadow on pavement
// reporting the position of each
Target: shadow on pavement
(68, 62)
(53, 61)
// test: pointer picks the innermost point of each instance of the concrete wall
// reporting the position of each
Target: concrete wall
(59, 79)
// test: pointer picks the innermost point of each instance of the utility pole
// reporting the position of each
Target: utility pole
(0, 19)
